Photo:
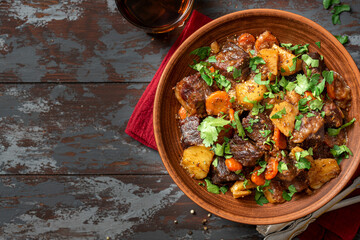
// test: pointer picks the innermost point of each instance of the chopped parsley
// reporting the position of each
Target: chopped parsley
(298, 121)
(224, 189)
(257, 107)
(209, 129)
(309, 115)
(336, 131)
(328, 76)
(340, 152)
(212, 59)
(239, 126)
(255, 61)
(293, 66)
(236, 73)
(318, 44)
(302, 162)
(265, 133)
(288, 195)
(263, 167)
(202, 52)
(211, 187)
(245, 183)
(329, 3)
(310, 61)
(316, 105)
(260, 198)
(219, 150)
(282, 167)
(342, 39)
(257, 79)
(279, 114)
(215, 162)
(232, 100)
(302, 84)
(230, 68)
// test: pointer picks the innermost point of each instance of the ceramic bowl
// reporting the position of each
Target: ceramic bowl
(288, 28)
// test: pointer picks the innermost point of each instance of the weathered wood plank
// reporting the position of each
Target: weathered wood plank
(71, 129)
(89, 41)
(119, 207)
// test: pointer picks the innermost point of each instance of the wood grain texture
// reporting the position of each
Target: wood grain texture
(119, 207)
(71, 129)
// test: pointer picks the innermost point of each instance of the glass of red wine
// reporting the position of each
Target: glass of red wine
(155, 16)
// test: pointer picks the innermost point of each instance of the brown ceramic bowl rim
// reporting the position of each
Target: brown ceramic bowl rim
(157, 128)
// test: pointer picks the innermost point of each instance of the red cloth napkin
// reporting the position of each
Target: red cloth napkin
(340, 224)
(140, 125)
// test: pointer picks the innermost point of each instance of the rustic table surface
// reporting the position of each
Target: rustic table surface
(71, 73)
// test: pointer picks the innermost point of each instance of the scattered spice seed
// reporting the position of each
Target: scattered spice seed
(192, 211)
(190, 232)
(209, 214)
(204, 221)
(205, 228)
(175, 221)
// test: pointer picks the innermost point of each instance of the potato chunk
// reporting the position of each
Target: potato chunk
(251, 90)
(197, 160)
(322, 171)
(271, 58)
(286, 123)
(286, 61)
(239, 190)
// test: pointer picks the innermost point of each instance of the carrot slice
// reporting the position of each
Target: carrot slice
(233, 165)
(212, 69)
(271, 169)
(265, 40)
(330, 89)
(182, 113)
(258, 180)
(218, 102)
(246, 41)
(308, 93)
(279, 138)
(232, 114)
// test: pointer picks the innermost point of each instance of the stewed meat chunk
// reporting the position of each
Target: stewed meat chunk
(221, 174)
(189, 131)
(191, 92)
(244, 151)
(233, 56)
(309, 125)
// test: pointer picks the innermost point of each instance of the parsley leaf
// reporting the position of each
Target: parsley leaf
(340, 8)
(282, 167)
(257, 79)
(342, 39)
(236, 73)
(302, 162)
(316, 105)
(293, 66)
(279, 114)
(212, 59)
(264, 133)
(224, 189)
(318, 44)
(263, 167)
(211, 187)
(215, 162)
(257, 107)
(310, 61)
(255, 61)
(287, 196)
(328, 76)
(219, 149)
(298, 121)
(202, 52)
(260, 198)
(340, 152)
(302, 84)
(209, 129)
(336, 131)
(239, 125)
(230, 68)
(329, 3)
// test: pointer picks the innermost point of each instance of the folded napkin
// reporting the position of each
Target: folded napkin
(140, 125)
(339, 224)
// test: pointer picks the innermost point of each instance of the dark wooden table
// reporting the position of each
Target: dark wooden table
(71, 73)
